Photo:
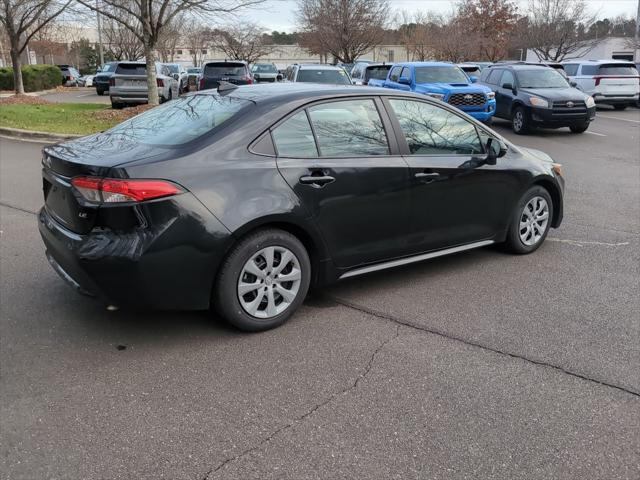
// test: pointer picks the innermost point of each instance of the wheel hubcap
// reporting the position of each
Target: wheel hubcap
(533, 221)
(269, 282)
(518, 121)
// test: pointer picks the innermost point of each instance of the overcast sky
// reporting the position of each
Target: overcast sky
(280, 14)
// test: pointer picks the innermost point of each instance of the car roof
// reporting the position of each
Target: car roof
(425, 64)
(318, 66)
(599, 62)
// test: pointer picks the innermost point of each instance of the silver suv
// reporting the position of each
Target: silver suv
(318, 73)
(128, 85)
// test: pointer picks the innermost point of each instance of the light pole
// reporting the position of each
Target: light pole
(521, 50)
(99, 36)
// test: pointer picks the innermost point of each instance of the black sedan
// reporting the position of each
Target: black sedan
(242, 198)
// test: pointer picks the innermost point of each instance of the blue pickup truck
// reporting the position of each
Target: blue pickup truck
(444, 81)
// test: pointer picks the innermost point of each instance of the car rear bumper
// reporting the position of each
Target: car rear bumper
(607, 99)
(169, 264)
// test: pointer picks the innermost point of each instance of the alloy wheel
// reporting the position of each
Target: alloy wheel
(518, 121)
(533, 221)
(269, 282)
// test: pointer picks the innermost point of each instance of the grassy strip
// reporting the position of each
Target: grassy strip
(77, 118)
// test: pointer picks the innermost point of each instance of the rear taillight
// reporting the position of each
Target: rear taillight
(249, 79)
(111, 190)
(597, 79)
(160, 82)
(112, 82)
(201, 86)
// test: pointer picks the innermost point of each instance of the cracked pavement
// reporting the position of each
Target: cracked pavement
(479, 365)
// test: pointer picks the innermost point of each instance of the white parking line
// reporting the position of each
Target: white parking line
(616, 118)
(596, 133)
(86, 95)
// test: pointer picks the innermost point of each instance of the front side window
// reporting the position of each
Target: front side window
(494, 76)
(507, 78)
(350, 128)
(395, 74)
(431, 130)
(294, 138)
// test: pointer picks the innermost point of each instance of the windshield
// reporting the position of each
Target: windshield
(180, 121)
(379, 73)
(440, 75)
(264, 68)
(224, 70)
(173, 68)
(338, 77)
(542, 78)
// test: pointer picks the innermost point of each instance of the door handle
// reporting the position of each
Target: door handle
(317, 179)
(427, 177)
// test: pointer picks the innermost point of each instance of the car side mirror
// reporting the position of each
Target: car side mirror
(176, 76)
(573, 84)
(473, 78)
(507, 86)
(404, 81)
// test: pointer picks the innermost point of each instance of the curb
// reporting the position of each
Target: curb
(30, 135)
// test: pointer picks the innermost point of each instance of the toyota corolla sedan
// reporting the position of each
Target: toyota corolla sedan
(239, 199)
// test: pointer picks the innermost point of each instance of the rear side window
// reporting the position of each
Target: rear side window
(180, 121)
(571, 68)
(431, 130)
(224, 70)
(395, 74)
(589, 70)
(617, 70)
(294, 137)
(131, 69)
(351, 128)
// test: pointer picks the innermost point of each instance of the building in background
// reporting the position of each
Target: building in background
(619, 48)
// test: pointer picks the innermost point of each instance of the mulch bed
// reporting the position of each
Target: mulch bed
(120, 115)
(23, 100)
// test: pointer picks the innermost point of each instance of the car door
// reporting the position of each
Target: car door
(505, 96)
(451, 203)
(343, 163)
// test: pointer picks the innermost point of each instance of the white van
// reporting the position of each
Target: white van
(610, 82)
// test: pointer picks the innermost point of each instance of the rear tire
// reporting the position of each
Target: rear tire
(579, 128)
(257, 260)
(99, 91)
(520, 121)
(116, 105)
(620, 107)
(530, 222)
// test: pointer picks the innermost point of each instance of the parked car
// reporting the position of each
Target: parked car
(193, 76)
(241, 199)
(103, 75)
(235, 72)
(444, 81)
(609, 82)
(362, 72)
(128, 84)
(179, 73)
(86, 81)
(532, 95)
(265, 72)
(70, 75)
(318, 73)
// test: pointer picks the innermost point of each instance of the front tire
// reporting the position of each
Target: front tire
(263, 281)
(520, 121)
(579, 128)
(530, 222)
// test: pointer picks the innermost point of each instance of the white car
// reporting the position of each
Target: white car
(179, 73)
(86, 81)
(609, 82)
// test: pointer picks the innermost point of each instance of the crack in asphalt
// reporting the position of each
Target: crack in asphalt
(310, 412)
(406, 323)
(20, 209)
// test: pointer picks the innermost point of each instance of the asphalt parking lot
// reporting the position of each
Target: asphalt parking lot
(481, 365)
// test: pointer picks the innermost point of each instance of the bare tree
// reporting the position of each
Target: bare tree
(148, 20)
(553, 31)
(491, 22)
(121, 42)
(242, 41)
(171, 36)
(454, 42)
(22, 19)
(345, 29)
(197, 38)
(417, 34)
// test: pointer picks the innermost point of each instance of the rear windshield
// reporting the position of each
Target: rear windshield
(472, 70)
(440, 75)
(379, 73)
(224, 70)
(264, 68)
(338, 77)
(193, 70)
(180, 121)
(617, 70)
(541, 78)
(131, 69)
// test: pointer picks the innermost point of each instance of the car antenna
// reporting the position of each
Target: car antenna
(226, 87)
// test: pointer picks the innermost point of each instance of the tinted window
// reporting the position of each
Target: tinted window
(440, 75)
(356, 72)
(294, 137)
(571, 69)
(180, 121)
(339, 77)
(507, 77)
(617, 70)
(224, 70)
(395, 74)
(131, 69)
(193, 70)
(432, 130)
(109, 67)
(494, 76)
(348, 129)
(406, 73)
(173, 68)
(379, 73)
(589, 70)
(543, 78)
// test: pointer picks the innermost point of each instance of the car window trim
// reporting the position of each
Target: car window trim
(402, 139)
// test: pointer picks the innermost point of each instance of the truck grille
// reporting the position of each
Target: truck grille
(467, 99)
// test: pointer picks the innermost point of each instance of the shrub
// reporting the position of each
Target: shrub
(34, 77)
